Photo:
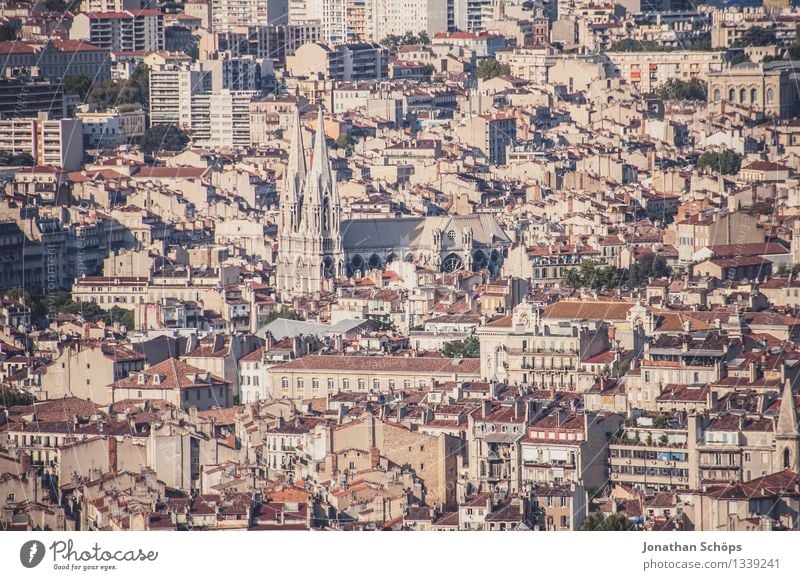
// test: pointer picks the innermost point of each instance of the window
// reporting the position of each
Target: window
(376, 383)
(285, 383)
(301, 384)
(362, 384)
(391, 383)
(330, 384)
(346, 384)
(315, 383)
(770, 95)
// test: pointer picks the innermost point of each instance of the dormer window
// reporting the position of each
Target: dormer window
(142, 379)
(156, 379)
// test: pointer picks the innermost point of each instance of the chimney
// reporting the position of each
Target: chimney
(486, 408)
(112, 454)
(374, 457)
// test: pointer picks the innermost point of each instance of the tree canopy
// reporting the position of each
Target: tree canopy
(470, 347)
(166, 137)
(490, 68)
(756, 36)
(409, 38)
(9, 159)
(112, 93)
(680, 90)
(726, 161)
(591, 275)
(647, 266)
(77, 85)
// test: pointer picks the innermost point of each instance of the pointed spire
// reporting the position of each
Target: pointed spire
(296, 169)
(294, 176)
(787, 415)
(320, 163)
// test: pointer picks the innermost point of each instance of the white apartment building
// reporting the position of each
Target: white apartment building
(221, 119)
(650, 70)
(111, 128)
(171, 91)
(531, 64)
(401, 16)
(229, 14)
(129, 30)
(110, 5)
(53, 142)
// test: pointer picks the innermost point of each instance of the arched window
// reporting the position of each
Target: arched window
(787, 459)
(717, 95)
(362, 384)
(315, 383)
(732, 96)
(742, 93)
(330, 384)
(376, 384)
(770, 95)
(285, 383)
(301, 384)
(753, 94)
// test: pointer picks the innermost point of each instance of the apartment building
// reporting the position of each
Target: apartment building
(110, 128)
(481, 44)
(650, 70)
(490, 133)
(768, 89)
(521, 348)
(566, 447)
(172, 88)
(175, 382)
(54, 59)
(653, 454)
(229, 14)
(529, 63)
(314, 375)
(221, 119)
(54, 142)
(128, 30)
(396, 17)
(343, 62)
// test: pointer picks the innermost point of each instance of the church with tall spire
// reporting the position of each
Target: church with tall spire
(315, 246)
(309, 233)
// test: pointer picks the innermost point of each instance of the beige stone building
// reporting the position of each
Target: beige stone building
(319, 375)
(770, 90)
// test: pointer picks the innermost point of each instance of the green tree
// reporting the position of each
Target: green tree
(284, 312)
(631, 45)
(122, 315)
(756, 36)
(680, 90)
(599, 523)
(591, 275)
(112, 93)
(393, 41)
(166, 137)
(10, 397)
(647, 266)
(77, 85)
(9, 159)
(7, 32)
(726, 161)
(490, 68)
(470, 347)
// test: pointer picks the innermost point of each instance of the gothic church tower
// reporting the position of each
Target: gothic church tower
(310, 251)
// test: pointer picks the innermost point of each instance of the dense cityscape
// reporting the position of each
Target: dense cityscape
(399, 265)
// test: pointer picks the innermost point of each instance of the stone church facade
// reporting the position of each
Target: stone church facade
(315, 246)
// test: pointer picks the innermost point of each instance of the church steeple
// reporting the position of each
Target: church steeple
(787, 437)
(310, 240)
(294, 177)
